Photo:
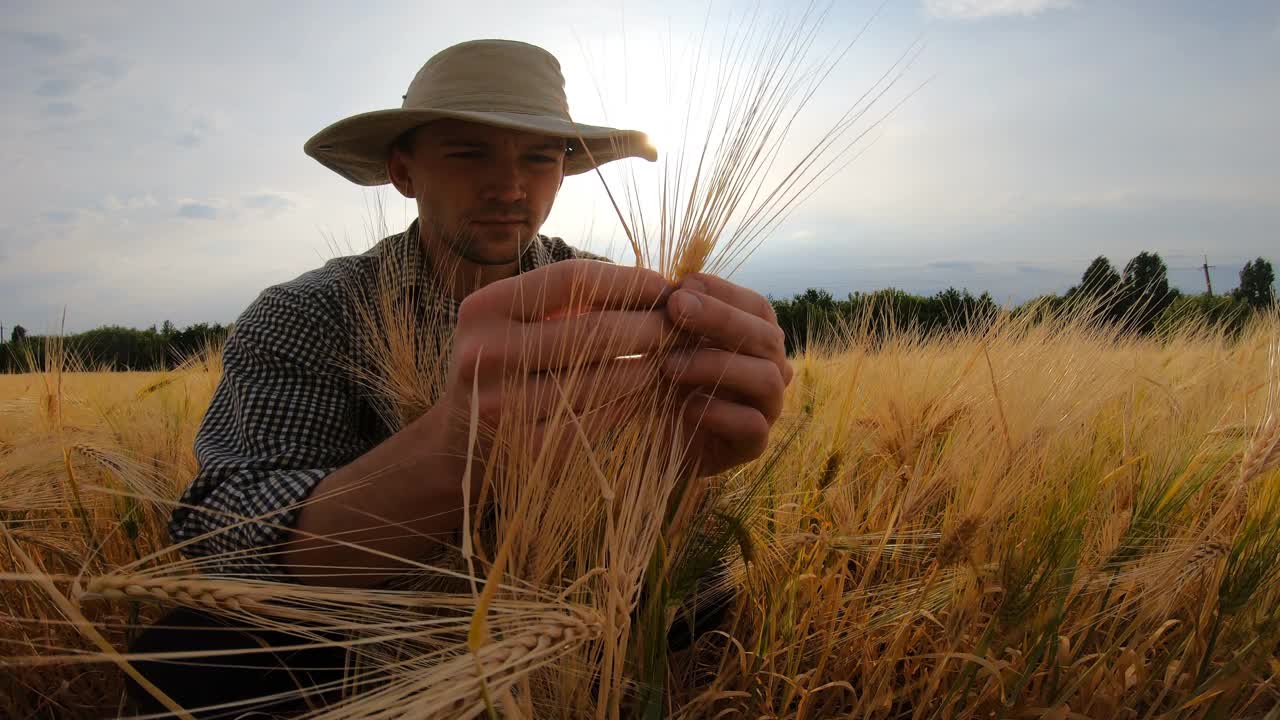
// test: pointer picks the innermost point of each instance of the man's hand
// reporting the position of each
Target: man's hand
(510, 333)
(731, 360)
(510, 338)
(736, 375)
(513, 334)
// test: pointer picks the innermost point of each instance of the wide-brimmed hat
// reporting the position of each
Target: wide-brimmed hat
(495, 82)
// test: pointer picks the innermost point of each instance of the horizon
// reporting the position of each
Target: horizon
(942, 268)
(156, 169)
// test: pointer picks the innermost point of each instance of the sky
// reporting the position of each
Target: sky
(154, 166)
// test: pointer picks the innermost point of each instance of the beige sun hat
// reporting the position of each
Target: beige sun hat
(504, 83)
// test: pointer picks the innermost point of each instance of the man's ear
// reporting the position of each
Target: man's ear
(398, 170)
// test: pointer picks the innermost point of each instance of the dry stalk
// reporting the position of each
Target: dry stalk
(957, 546)
(461, 687)
(87, 629)
(1263, 453)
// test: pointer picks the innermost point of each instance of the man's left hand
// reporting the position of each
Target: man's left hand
(736, 369)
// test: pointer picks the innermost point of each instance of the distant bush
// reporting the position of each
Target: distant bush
(118, 348)
(815, 316)
(1205, 311)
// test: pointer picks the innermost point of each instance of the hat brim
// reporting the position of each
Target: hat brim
(356, 147)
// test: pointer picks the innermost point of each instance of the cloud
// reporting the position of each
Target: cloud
(45, 43)
(114, 203)
(106, 66)
(61, 108)
(198, 211)
(57, 87)
(952, 265)
(67, 77)
(196, 134)
(270, 203)
(60, 216)
(974, 9)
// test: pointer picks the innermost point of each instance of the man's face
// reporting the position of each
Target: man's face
(482, 191)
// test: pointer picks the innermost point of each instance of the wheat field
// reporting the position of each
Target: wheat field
(1040, 520)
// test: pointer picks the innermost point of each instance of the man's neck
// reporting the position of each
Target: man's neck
(467, 277)
(458, 276)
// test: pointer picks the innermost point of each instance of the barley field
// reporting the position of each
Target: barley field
(1039, 520)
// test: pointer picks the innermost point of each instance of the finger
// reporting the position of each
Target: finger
(532, 398)
(731, 293)
(740, 431)
(592, 432)
(590, 338)
(592, 393)
(755, 381)
(593, 337)
(726, 326)
(567, 285)
(744, 299)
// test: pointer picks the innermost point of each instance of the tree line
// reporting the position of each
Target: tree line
(1136, 299)
(114, 347)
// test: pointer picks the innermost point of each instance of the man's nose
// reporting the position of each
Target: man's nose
(505, 181)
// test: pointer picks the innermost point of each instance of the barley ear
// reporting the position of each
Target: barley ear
(91, 633)
(1263, 454)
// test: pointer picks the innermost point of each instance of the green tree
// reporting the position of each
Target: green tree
(18, 334)
(1146, 275)
(1100, 279)
(1144, 291)
(1257, 284)
(806, 317)
(1098, 294)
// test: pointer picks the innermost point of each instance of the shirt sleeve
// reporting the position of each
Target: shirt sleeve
(281, 419)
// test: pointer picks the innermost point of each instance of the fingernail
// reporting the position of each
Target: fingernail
(687, 304)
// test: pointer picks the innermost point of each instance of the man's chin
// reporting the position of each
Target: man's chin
(494, 244)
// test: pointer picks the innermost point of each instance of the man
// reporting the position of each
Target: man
(482, 144)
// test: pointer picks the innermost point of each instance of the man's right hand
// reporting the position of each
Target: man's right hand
(513, 335)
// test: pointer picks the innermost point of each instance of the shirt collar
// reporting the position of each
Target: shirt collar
(410, 270)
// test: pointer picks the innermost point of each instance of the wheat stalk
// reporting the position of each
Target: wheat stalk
(1263, 452)
(86, 628)
(461, 686)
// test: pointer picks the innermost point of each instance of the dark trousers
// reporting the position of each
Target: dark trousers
(207, 681)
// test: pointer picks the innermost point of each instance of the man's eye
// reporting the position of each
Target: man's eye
(543, 159)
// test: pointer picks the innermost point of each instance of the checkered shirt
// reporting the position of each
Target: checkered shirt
(286, 413)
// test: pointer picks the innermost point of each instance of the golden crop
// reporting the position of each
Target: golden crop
(1039, 521)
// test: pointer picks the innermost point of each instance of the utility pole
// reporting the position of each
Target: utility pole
(1207, 282)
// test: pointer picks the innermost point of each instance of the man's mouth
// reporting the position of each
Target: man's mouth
(500, 221)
